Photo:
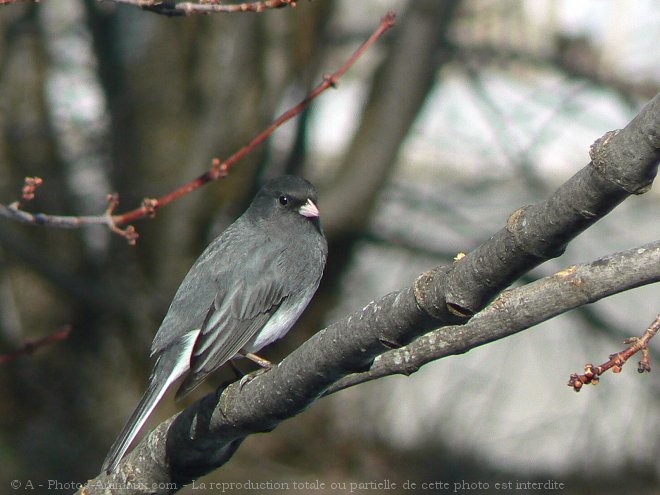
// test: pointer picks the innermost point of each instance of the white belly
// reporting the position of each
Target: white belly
(280, 323)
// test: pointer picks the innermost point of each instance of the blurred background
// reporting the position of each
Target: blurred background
(463, 112)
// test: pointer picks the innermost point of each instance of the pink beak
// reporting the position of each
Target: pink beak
(309, 209)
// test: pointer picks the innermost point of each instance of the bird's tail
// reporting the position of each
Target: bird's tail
(171, 364)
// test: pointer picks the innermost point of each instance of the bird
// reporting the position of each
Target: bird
(245, 291)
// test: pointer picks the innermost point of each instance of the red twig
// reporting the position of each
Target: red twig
(32, 345)
(218, 168)
(592, 374)
(30, 187)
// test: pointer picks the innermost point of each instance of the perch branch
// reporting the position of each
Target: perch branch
(206, 435)
(507, 315)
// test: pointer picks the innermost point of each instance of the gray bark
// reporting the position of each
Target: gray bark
(206, 434)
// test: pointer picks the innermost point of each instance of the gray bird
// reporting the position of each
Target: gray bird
(244, 292)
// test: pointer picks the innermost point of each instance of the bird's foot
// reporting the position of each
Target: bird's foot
(265, 366)
(248, 378)
(264, 363)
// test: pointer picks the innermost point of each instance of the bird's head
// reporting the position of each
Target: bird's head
(287, 199)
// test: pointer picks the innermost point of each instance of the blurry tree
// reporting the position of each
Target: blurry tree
(464, 112)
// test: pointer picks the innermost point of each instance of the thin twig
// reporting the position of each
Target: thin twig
(616, 361)
(174, 8)
(15, 212)
(218, 168)
(32, 345)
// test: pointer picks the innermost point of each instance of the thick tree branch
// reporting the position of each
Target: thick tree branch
(205, 435)
(210, 431)
(624, 162)
(518, 309)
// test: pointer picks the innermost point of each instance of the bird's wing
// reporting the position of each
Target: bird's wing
(234, 317)
(196, 292)
(232, 322)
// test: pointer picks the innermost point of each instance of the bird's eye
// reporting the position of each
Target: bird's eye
(283, 199)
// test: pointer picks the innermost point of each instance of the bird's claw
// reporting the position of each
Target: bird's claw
(248, 378)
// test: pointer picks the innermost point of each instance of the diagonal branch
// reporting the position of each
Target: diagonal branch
(218, 169)
(206, 434)
(518, 309)
(624, 162)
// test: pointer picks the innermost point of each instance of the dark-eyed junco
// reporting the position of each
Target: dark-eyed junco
(244, 292)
